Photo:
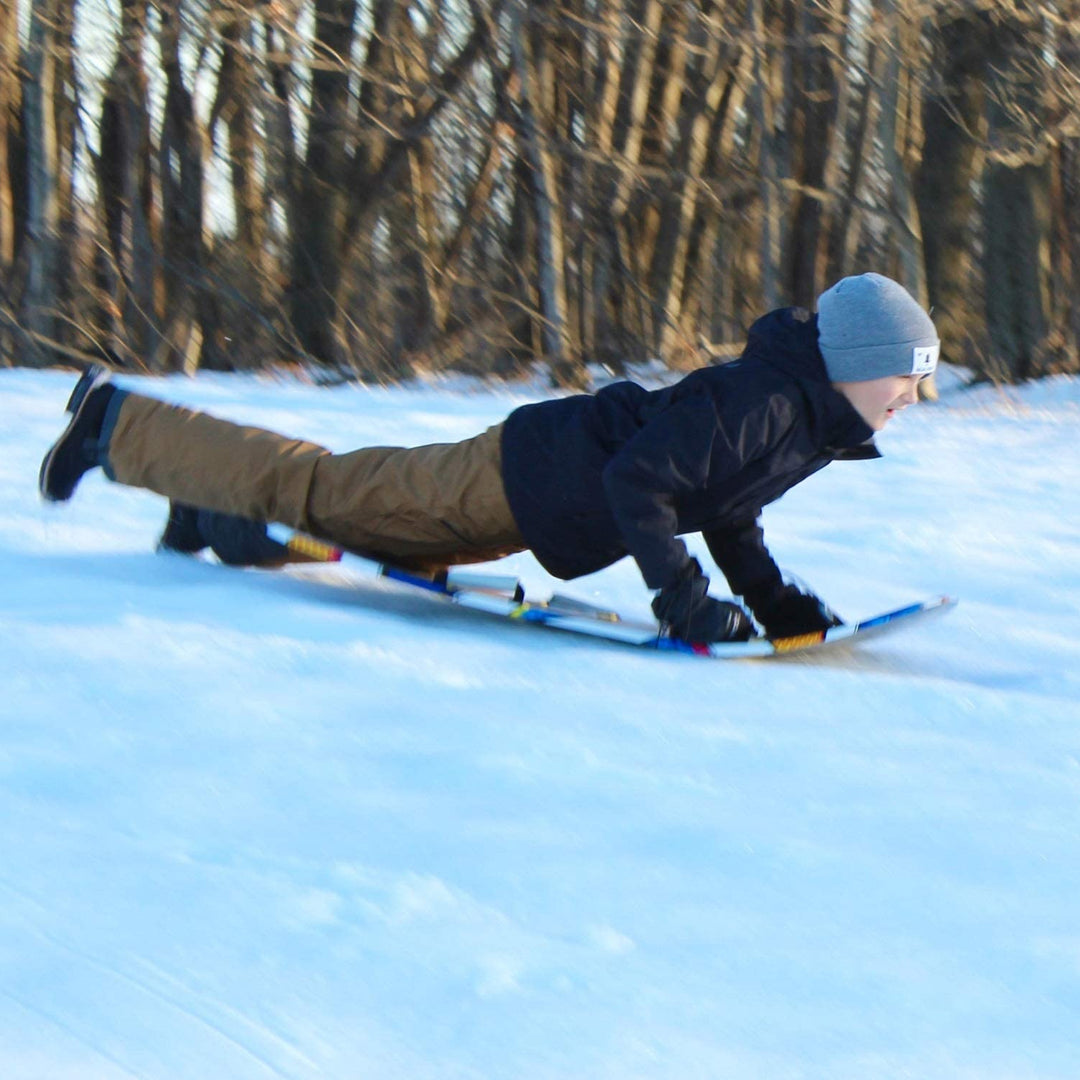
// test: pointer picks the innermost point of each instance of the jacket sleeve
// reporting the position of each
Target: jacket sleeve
(743, 558)
(681, 450)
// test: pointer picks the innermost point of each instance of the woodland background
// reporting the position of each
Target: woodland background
(374, 188)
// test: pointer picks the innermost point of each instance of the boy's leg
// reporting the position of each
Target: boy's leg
(442, 504)
(422, 506)
(213, 464)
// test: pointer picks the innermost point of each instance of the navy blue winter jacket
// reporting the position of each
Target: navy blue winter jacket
(594, 477)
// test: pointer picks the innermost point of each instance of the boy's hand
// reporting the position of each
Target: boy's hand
(688, 612)
(784, 611)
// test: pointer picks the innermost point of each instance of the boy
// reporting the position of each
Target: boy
(580, 481)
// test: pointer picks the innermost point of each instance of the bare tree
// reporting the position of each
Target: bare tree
(900, 133)
(1017, 197)
(316, 267)
(492, 182)
(1064, 124)
(537, 135)
(124, 176)
(953, 121)
(41, 299)
(10, 197)
(818, 97)
(10, 99)
(234, 106)
(190, 319)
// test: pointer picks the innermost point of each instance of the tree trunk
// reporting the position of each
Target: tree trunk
(317, 223)
(334, 199)
(234, 103)
(1069, 236)
(535, 135)
(40, 299)
(12, 180)
(418, 312)
(818, 88)
(847, 223)
(66, 109)
(899, 145)
(191, 324)
(603, 286)
(629, 222)
(762, 108)
(664, 145)
(637, 76)
(477, 203)
(1065, 276)
(281, 158)
(124, 188)
(953, 122)
(706, 118)
(1016, 214)
(10, 106)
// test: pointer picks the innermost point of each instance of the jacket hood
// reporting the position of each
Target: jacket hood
(787, 339)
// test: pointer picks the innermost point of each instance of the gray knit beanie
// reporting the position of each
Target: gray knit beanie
(870, 327)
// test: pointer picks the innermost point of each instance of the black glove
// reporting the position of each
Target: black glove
(688, 612)
(784, 611)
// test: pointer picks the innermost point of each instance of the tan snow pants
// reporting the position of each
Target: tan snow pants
(424, 507)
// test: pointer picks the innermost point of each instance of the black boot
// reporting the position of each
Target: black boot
(238, 541)
(182, 530)
(235, 540)
(79, 449)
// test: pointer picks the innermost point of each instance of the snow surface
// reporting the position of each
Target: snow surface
(255, 826)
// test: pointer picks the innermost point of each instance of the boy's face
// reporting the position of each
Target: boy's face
(876, 400)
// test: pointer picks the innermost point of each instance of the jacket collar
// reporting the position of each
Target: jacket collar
(865, 451)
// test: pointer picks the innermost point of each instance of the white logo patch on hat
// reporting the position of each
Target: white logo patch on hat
(924, 359)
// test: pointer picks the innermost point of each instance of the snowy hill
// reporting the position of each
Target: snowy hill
(264, 827)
